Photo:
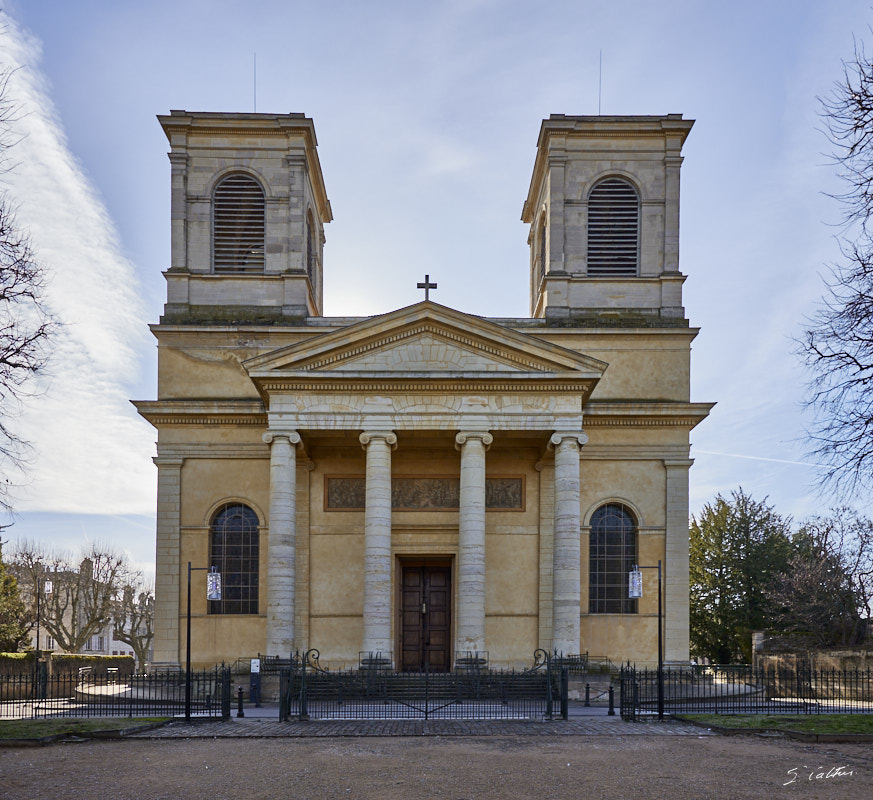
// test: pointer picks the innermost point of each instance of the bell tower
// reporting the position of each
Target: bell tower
(248, 212)
(603, 211)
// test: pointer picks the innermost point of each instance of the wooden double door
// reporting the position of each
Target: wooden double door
(425, 618)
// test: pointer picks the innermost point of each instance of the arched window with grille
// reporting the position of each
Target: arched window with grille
(234, 544)
(238, 225)
(613, 229)
(612, 551)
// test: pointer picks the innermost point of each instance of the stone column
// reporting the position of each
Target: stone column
(281, 548)
(566, 597)
(676, 564)
(546, 470)
(166, 644)
(377, 544)
(471, 543)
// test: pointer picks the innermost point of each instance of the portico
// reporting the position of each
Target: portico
(385, 380)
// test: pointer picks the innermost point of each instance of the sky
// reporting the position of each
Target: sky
(427, 117)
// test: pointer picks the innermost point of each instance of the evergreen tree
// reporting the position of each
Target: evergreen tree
(13, 631)
(738, 547)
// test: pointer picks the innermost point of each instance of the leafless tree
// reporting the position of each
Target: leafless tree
(83, 594)
(134, 619)
(24, 324)
(827, 589)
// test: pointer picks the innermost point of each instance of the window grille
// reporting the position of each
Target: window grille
(543, 248)
(234, 546)
(238, 225)
(613, 229)
(612, 551)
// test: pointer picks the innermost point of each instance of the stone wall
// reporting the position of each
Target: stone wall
(797, 651)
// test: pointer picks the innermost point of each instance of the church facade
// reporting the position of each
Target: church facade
(425, 484)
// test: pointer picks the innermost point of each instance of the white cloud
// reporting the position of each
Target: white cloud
(91, 450)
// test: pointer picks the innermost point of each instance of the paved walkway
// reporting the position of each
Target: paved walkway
(264, 723)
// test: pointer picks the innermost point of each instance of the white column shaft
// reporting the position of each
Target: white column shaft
(471, 543)
(281, 550)
(377, 545)
(567, 600)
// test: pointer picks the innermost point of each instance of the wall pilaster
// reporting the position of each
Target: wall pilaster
(676, 563)
(166, 643)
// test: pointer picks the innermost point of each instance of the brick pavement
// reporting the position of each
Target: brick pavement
(273, 728)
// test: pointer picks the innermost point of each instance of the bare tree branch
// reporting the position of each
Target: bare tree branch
(25, 325)
(83, 597)
(837, 345)
(134, 619)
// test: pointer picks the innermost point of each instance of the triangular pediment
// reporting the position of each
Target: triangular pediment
(427, 348)
(425, 340)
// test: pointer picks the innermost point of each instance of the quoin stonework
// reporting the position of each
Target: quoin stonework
(424, 484)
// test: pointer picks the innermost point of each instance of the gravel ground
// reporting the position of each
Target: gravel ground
(454, 768)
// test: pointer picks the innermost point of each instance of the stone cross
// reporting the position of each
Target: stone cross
(427, 286)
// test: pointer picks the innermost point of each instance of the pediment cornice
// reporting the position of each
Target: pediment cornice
(424, 342)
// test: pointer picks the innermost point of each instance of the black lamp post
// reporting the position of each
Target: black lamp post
(47, 590)
(631, 593)
(214, 593)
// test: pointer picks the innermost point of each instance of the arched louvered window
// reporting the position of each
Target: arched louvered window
(543, 247)
(613, 229)
(234, 552)
(612, 551)
(238, 225)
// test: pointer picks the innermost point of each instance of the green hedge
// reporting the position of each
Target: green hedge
(67, 664)
(16, 663)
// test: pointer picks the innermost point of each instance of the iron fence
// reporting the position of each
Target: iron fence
(161, 694)
(309, 692)
(741, 689)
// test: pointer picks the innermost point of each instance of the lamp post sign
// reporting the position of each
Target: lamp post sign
(213, 592)
(635, 591)
(213, 585)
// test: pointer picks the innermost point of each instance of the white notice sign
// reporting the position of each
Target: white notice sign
(635, 585)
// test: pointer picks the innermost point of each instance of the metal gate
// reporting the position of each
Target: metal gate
(371, 692)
